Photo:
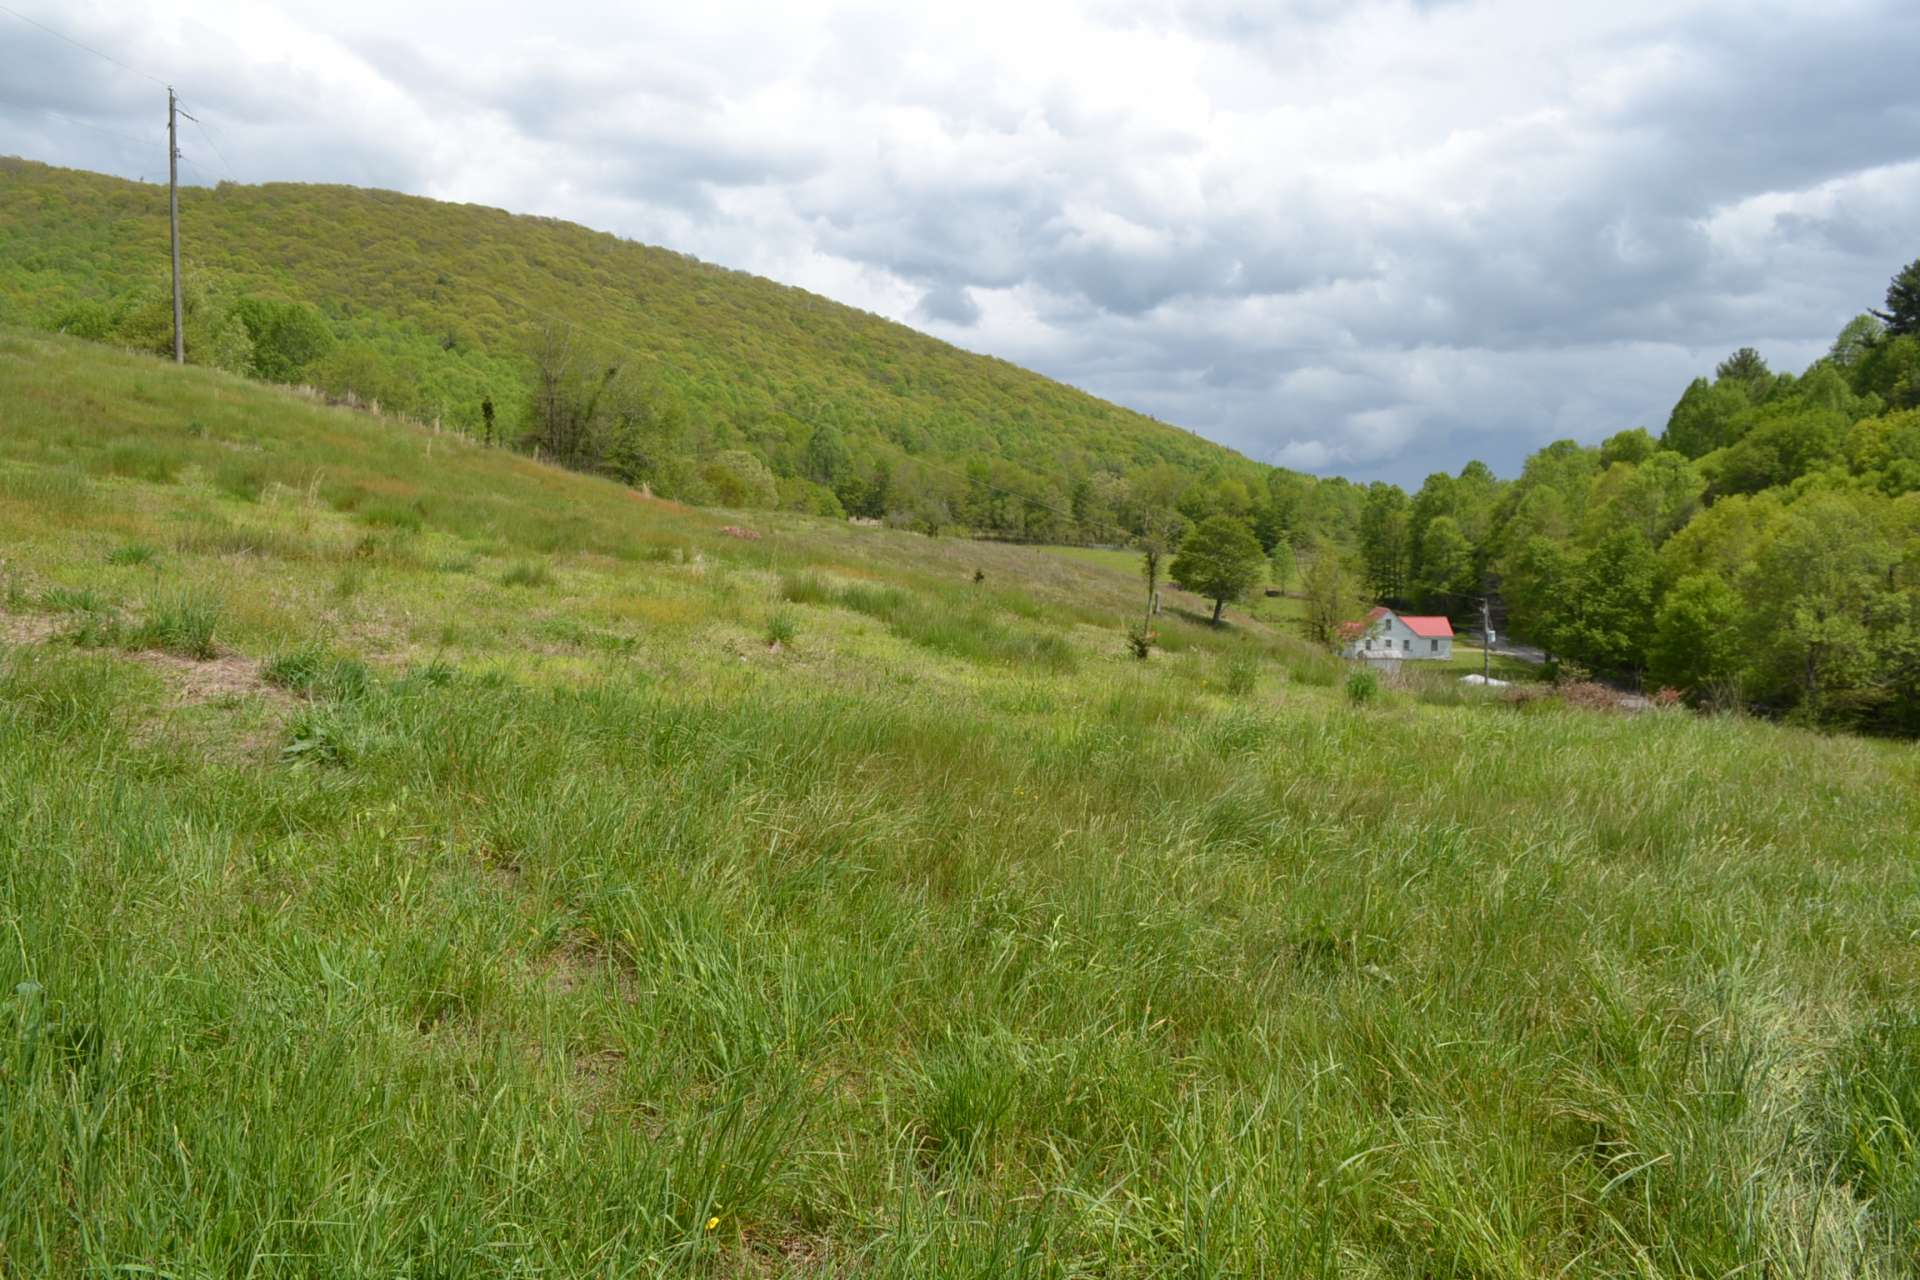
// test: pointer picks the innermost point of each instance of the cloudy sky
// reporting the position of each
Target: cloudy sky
(1372, 239)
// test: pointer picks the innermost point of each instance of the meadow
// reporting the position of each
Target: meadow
(417, 861)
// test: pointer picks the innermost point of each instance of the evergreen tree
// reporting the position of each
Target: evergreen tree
(1903, 302)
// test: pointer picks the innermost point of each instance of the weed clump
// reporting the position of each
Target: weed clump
(781, 629)
(805, 588)
(527, 573)
(134, 553)
(183, 624)
(1240, 673)
(1363, 688)
(319, 674)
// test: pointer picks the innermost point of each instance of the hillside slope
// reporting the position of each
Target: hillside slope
(432, 308)
(415, 860)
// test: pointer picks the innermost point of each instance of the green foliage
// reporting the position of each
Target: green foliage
(702, 383)
(1698, 645)
(735, 478)
(1704, 418)
(1363, 688)
(1333, 596)
(1384, 540)
(283, 337)
(1631, 447)
(1902, 315)
(1447, 579)
(1609, 616)
(1219, 559)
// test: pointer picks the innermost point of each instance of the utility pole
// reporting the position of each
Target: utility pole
(173, 220)
(1486, 641)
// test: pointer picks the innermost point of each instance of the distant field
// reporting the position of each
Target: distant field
(416, 861)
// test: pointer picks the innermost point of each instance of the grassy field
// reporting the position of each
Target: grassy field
(419, 862)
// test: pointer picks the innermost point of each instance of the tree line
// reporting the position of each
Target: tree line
(1762, 551)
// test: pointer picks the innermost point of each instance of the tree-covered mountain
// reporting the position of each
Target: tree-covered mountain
(1763, 550)
(700, 382)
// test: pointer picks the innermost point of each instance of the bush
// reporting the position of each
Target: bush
(1140, 641)
(1363, 687)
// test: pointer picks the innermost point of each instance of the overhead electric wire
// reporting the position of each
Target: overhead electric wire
(127, 67)
(80, 44)
(72, 120)
(208, 139)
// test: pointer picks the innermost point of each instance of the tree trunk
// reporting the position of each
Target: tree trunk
(1218, 605)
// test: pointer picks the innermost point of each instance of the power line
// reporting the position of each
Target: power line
(208, 139)
(84, 124)
(58, 35)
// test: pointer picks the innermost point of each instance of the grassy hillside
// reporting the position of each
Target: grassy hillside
(432, 308)
(418, 861)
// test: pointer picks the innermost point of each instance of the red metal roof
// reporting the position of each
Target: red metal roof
(1427, 628)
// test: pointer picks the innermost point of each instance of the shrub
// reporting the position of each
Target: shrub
(781, 630)
(1140, 641)
(1363, 687)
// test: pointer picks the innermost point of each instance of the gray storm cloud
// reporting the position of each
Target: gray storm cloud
(1374, 238)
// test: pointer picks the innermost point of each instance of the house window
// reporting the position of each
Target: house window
(1433, 646)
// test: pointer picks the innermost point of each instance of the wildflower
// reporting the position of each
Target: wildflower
(712, 1223)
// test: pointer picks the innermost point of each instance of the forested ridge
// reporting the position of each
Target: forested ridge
(703, 383)
(1763, 550)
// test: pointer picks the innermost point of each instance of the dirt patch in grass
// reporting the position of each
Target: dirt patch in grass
(21, 629)
(211, 679)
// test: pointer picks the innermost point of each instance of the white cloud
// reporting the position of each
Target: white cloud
(1379, 236)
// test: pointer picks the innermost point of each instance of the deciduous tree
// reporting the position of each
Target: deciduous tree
(1220, 559)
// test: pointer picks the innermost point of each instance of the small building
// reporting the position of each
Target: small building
(1386, 636)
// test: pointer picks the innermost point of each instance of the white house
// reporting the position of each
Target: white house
(1399, 637)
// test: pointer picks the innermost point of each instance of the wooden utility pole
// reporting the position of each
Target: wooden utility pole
(1486, 641)
(173, 220)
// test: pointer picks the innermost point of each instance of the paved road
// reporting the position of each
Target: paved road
(1524, 652)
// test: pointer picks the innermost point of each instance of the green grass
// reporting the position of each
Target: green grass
(491, 932)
